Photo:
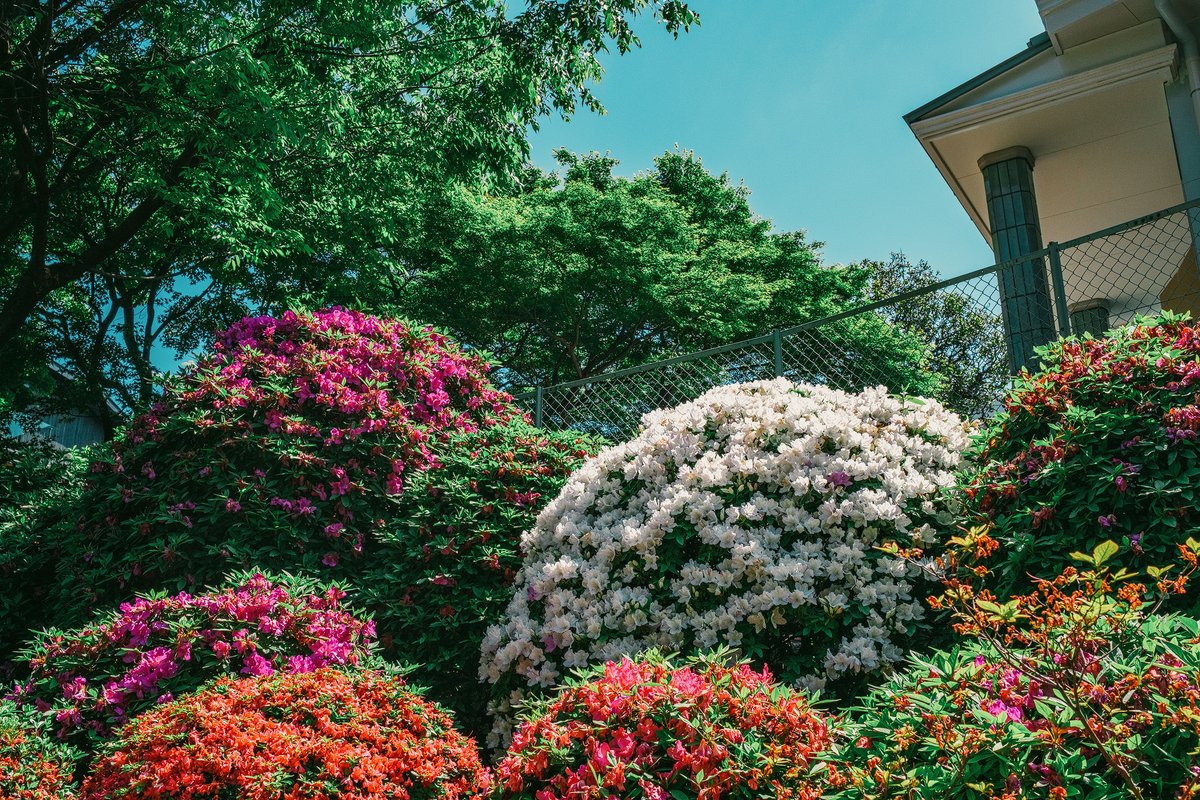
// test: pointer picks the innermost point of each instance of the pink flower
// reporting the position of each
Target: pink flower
(255, 664)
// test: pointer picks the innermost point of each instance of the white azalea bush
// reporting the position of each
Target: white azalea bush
(753, 517)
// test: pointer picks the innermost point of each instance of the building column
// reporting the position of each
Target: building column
(1090, 316)
(1025, 300)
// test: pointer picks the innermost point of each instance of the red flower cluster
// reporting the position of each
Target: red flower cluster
(702, 731)
(323, 734)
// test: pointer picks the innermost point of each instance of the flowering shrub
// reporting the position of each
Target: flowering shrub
(1100, 444)
(334, 444)
(316, 734)
(648, 729)
(32, 767)
(753, 516)
(1073, 690)
(153, 649)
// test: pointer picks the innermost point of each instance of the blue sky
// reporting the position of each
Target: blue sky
(802, 100)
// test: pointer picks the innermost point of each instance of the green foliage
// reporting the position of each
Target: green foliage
(167, 166)
(589, 272)
(1100, 444)
(39, 484)
(36, 475)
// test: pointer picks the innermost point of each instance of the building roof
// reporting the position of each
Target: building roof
(1038, 44)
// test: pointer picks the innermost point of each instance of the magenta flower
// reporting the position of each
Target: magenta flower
(151, 649)
(254, 664)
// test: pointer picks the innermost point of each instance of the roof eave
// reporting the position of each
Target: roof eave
(1038, 44)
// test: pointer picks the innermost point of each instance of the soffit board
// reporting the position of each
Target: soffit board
(1112, 101)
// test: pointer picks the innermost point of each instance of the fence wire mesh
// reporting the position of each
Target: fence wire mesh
(958, 340)
(1139, 268)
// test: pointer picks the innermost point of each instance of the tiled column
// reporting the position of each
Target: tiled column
(1090, 316)
(1013, 218)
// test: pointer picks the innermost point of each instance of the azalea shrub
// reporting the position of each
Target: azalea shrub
(758, 516)
(333, 444)
(1099, 444)
(39, 484)
(650, 729)
(1076, 689)
(451, 552)
(32, 765)
(326, 733)
(87, 681)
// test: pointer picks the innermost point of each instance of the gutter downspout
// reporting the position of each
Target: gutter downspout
(1189, 45)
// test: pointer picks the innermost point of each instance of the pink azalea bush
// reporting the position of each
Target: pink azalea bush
(652, 729)
(333, 444)
(90, 680)
(1101, 443)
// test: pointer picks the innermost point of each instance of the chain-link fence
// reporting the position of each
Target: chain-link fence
(958, 340)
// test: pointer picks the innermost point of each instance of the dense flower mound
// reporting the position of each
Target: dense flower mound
(1074, 690)
(333, 444)
(89, 680)
(756, 516)
(32, 767)
(288, 438)
(319, 734)
(648, 729)
(1100, 444)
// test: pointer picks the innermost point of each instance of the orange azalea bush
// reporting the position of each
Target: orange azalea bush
(321, 734)
(31, 766)
(648, 729)
(1075, 690)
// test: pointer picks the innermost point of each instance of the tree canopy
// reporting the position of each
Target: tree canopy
(585, 271)
(164, 165)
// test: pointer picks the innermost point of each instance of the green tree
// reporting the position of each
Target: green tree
(965, 339)
(250, 153)
(585, 272)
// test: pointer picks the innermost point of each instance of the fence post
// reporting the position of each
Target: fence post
(537, 407)
(777, 341)
(1060, 293)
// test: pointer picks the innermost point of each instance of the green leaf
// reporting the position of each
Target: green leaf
(1104, 551)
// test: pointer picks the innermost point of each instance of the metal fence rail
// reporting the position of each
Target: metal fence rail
(957, 340)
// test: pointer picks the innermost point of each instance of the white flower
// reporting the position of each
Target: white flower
(756, 508)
